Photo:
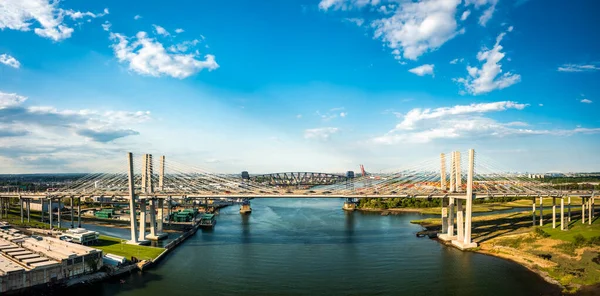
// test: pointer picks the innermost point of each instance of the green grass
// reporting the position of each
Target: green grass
(118, 247)
(575, 227)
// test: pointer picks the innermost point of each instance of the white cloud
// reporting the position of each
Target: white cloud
(586, 101)
(488, 13)
(323, 133)
(10, 100)
(414, 116)
(9, 61)
(147, 56)
(23, 14)
(578, 68)
(462, 122)
(137, 17)
(418, 27)
(465, 15)
(179, 30)
(345, 4)
(106, 26)
(343, 114)
(357, 21)
(183, 46)
(488, 77)
(161, 31)
(455, 61)
(422, 70)
(541, 105)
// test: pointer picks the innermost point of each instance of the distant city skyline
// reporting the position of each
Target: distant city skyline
(319, 85)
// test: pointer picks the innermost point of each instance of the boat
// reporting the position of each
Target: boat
(208, 221)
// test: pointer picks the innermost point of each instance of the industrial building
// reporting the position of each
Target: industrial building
(26, 261)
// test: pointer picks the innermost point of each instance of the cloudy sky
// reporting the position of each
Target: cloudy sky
(317, 85)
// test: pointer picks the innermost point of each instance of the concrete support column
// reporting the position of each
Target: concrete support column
(562, 214)
(451, 217)
(583, 210)
(460, 227)
(79, 212)
(142, 220)
(50, 213)
(533, 210)
(541, 211)
(21, 204)
(590, 211)
(444, 215)
(169, 205)
(59, 210)
(469, 212)
(159, 226)
(42, 207)
(153, 217)
(28, 210)
(132, 215)
(72, 212)
(1, 207)
(554, 212)
(569, 208)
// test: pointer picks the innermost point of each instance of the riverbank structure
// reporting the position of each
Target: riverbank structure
(27, 262)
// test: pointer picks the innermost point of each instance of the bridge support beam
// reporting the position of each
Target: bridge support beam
(159, 225)
(460, 227)
(553, 212)
(28, 210)
(449, 234)
(42, 207)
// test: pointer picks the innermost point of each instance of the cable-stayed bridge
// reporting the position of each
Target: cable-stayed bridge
(454, 177)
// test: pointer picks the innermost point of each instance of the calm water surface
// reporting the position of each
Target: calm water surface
(312, 247)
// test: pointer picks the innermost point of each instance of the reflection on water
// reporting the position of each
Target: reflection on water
(312, 247)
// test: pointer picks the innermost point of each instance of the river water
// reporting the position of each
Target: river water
(312, 247)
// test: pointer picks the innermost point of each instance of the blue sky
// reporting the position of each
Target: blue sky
(320, 85)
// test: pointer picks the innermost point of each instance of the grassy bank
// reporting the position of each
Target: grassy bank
(570, 258)
(118, 246)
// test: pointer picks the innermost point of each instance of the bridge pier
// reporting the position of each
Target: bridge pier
(541, 211)
(72, 212)
(590, 210)
(79, 212)
(460, 228)
(155, 231)
(569, 208)
(553, 212)
(245, 207)
(583, 210)
(28, 210)
(22, 215)
(349, 205)
(42, 207)
(59, 210)
(533, 211)
(50, 213)
(142, 236)
(464, 240)
(444, 215)
(562, 214)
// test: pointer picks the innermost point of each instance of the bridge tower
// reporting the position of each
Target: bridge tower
(132, 215)
(245, 207)
(464, 240)
(154, 234)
